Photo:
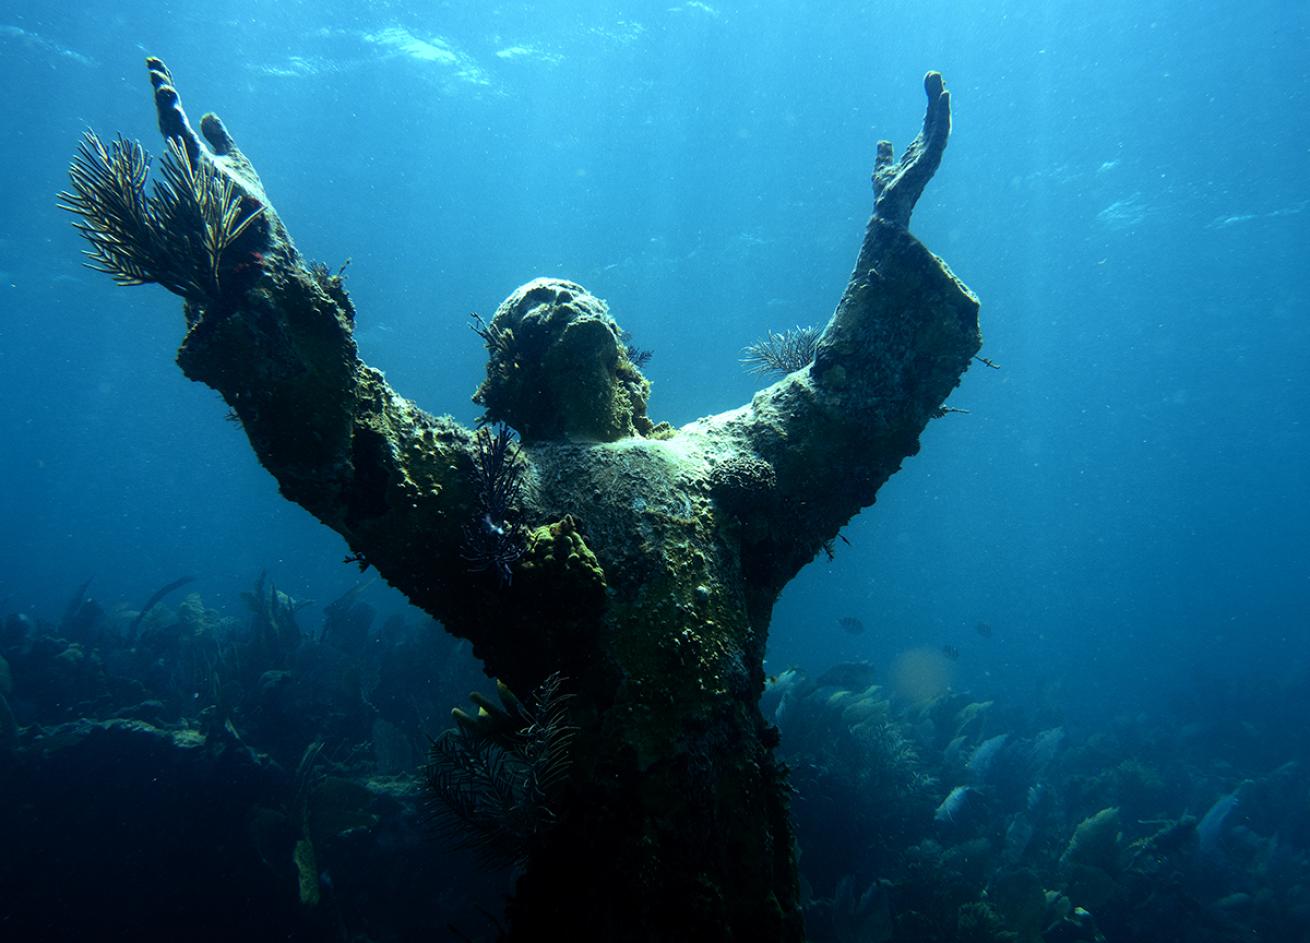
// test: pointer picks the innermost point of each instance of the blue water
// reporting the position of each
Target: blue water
(1125, 502)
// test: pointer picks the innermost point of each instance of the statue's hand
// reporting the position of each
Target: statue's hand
(204, 230)
(898, 186)
(217, 149)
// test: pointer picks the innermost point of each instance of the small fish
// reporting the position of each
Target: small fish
(981, 761)
(1044, 747)
(851, 625)
(1211, 827)
(983, 629)
(956, 805)
(950, 652)
(1017, 838)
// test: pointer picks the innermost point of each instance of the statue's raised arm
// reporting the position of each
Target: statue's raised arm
(274, 336)
(903, 334)
(620, 571)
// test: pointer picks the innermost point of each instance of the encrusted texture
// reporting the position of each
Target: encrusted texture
(558, 367)
(650, 558)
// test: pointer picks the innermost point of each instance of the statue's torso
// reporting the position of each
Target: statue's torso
(675, 602)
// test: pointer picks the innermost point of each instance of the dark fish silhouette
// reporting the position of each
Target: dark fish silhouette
(152, 602)
(851, 625)
(950, 652)
(983, 629)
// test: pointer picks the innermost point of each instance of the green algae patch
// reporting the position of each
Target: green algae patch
(558, 553)
(307, 872)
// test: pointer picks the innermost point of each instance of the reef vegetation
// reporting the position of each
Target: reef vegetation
(493, 779)
(180, 236)
(280, 758)
(261, 757)
(956, 818)
(781, 353)
(495, 541)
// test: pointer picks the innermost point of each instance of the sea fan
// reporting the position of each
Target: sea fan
(177, 236)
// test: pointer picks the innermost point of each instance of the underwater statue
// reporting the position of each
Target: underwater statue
(627, 564)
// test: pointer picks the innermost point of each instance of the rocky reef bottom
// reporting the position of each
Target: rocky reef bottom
(958, 818)
(177, 773)
(182, 774)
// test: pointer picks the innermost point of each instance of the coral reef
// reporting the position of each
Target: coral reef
(1035, 859)
(302, 792)
(230, 770)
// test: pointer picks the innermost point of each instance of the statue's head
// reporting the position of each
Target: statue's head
(559, 368)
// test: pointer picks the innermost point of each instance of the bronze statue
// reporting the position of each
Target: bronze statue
(631, 565)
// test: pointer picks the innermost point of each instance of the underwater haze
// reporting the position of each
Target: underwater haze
(1111, 537)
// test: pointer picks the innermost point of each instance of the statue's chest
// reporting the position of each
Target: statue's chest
(642, 506)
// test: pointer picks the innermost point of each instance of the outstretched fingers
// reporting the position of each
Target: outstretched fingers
(217, 134)
(936, 120)
(173, 121)
(882, 165)
(898, 186)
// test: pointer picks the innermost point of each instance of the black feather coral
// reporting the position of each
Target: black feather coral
(495, 540)
(493, 781)
(782, 353)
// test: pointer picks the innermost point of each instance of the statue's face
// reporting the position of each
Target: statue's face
(559, 368)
